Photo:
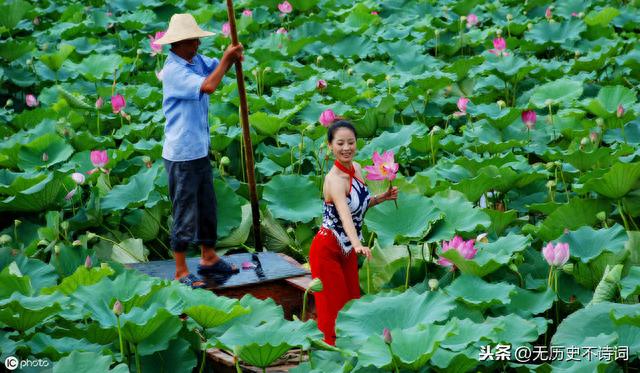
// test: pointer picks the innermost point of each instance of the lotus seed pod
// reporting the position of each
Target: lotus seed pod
(17, 222)
(370, 82)
(5, 239)
(529, 26)
(576, 54)
(501, 104)
(600, 122)
(584, 141)
(309, 128)
(290, 230)
(429, 92)
(513, 267)
(315, 285)
(463, 18)
(387, 77)
(548, 102)
(56, 249)
(76, 243)
(602, 216)
(139, 51)
(91, 235)
(254, 72)
(433, 284)
(318, 60)
(29, 62)
(509, 17)
(551, 184)
(435, 129)
(225, 161)
(581, 14)
(350, 71)
(64, 225)
(44, 46)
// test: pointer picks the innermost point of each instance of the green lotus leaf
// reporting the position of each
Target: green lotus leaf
(575, 214)
(353, 45)
(12, 50)
(14, 281)
(293, 197)
(276, 237)
(587, 160)
(516, 330)
(131, 250)
(370, 314)
(161, 337)
(266, 124)
(138, 324)
(587, 243)
(468, 333)
(411, 220)
(527, 303)
(557, 32)
(240, 234)
(262, 311)
(44, 345)
(561, 91)
(262, 345)
(412, 349)
(456, 362)
(391, 141)
(609, 98)
(56, 149)
(618, 181)
(11, 13)
(607, 288)
(55, 60)
(473, 290)
(144, 223)
(383, 265)
(460, 216)
(40, 274)
(490, 256)
(209, 310)
(134, 193)
(594, 320)
(591, 365)
(602, 17)
(81, 277)
(631, 134)
(626, 314)
(630, 284)
(228, 208)
(39, 197)
(87, 361)
(178, 357)
(99, 66)
(23, 312)
(500, 220)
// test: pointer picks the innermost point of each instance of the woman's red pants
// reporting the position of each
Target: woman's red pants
(339, 276)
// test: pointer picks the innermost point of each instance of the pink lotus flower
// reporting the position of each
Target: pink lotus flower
(77, 177)
(155, 48)
(45, 157)
(383, 167)
(593, 136)
(620, 111)
(386, 335)
(99, 103)
(499, 45)
(247, 13)
(99, 158)
(31, 100)
(226, 29)
(574, 14)
(327, 117)
(281, 31)
(529, 118)
(70, 194)
(548, 14)
(87, 262)
(285, 7)
(556, 255)
(118, 103)
(321, 84)
(462, 106)
(465, 248)
(248, 265)
(374, 13)
(472, 20)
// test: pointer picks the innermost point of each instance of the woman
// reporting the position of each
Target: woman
(333, 253)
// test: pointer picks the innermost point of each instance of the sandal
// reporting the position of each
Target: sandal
(190, 280)
(221, 267)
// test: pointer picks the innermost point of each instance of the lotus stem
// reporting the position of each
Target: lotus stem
(549, 278)
(433, 152)
(564, 183)
(395, 201)
(98, 121)
(122, 355)
(558, 300)
(301, 149)
(368, 277)
(393, 360)
(138, 367)
(304, 305)
(204, 350)
(624, 219)
(406, 280)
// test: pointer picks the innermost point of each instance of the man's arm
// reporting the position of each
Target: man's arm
(231, 55)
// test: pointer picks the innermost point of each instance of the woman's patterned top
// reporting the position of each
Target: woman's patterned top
(358, 202)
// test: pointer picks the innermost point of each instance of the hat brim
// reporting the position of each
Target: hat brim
(172, 38)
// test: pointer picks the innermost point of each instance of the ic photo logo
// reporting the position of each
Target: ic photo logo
(13, 363)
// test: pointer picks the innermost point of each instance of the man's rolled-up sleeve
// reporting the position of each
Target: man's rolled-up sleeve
(210, 64)
(182, 83)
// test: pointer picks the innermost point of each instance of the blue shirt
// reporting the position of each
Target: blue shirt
(185, 108)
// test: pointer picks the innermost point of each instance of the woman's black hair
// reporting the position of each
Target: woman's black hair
(340, 124)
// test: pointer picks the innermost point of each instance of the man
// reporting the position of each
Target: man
(187, 80)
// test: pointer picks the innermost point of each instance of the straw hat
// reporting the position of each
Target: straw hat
(182, 27)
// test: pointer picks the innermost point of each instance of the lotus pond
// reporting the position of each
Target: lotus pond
(515, 121)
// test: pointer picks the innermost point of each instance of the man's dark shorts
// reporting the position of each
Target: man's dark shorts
(194, 203)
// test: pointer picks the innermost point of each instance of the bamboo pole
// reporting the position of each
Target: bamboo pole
(244, 119)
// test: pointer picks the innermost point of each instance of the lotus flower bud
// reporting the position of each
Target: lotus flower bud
(435, 129)
(17, 222)
(509, 17)
(9, 103)
(463, 18)
(386, 334)
(45, 157)
(620, 111)
(56, 249)
(600, 122)
(499, 32)
(387, 77)
(64, 225)
(76, 243)
(91, 235)
(318, 60)
(290, 230)
(321, 84)
(147, 161)
(551, 184)
(44, 46)
(78, 178)
(99, 103)
(225, 161)
(29, 62)
(433, 284)
(5, 239)
(576, 54)
(581, 14)
(36, 21)
(501, 104)
(139, 51)
(350, 71)
(437, 32)
(117, 308)
(529, 26)
(88, 263)
(602, 216)
(584, 141)
(429, 92)
(513, 267)
(254, 72)
(482, 238)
